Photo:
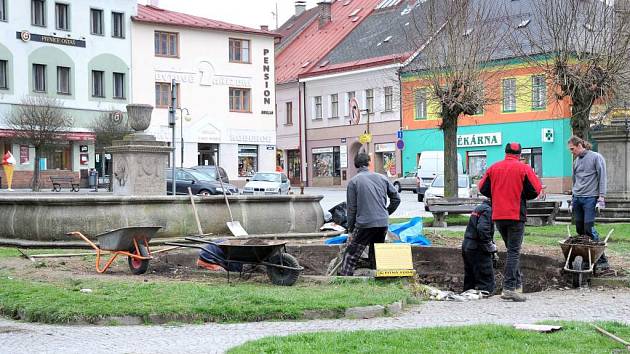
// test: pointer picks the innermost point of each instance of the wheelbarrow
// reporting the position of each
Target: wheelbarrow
(580, 259)
(282, 268)
(132, 241)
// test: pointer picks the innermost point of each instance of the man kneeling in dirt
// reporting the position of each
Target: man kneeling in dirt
(479, 250)
(368, 212)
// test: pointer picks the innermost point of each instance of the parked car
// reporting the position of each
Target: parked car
(465, 188)
(211, 171)
(431, 164)
(199, 183)
(408, 182)
(266, 183)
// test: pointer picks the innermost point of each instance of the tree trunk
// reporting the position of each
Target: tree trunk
(35, 184)
(580, 115)
(449, 127)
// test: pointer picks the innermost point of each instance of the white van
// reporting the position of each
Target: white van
(431, 164)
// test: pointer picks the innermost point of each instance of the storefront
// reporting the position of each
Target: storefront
(385, 159)
(326, 166)
(543, 148)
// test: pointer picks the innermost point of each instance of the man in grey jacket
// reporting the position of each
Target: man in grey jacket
(368, 212)
(589, 189)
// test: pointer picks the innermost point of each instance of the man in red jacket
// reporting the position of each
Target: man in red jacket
(510, 183)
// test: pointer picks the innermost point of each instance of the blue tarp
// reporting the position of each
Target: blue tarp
(409, 232)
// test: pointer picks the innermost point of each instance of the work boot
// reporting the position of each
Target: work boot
(519, 289)
(513, 295)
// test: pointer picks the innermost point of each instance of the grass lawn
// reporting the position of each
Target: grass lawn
(61, 301)
(573, 338)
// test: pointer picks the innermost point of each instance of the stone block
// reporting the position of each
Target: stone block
(394, 308)
(365, 312)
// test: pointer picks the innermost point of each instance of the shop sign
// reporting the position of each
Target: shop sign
(252, 136)
(343, 156)
(468, 140)
(26, 36)
(266, 76)
(83, 148)
(365, 138)
(388, 147)
(322, 150)
(547, 135)
(271, 147)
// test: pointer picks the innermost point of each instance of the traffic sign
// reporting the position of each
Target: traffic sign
(400, 144)
(399, 134)
(355, 112)
(365, 138)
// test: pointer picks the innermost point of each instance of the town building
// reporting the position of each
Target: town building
(76, 51)
(225, 89)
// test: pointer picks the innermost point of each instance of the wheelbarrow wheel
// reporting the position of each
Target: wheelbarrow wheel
(577, 277)
(139, 266)
(281, 276)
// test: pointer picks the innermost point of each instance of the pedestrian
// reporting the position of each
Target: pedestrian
(589, 190)
(368, 212)
(479, 250)
(510, 183)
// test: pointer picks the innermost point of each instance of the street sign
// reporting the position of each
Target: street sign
(400, 144)
(399, 134)
(393, 260)
(355, 112)
(365, 138)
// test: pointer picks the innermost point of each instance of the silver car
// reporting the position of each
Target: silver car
(267, 183)
(408, 182)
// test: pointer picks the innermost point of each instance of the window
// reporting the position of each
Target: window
(119, 85)
(62, 16)
(239, 50)
(38, 12)
(421, 104)
(369, 100)
(4, 82)
(240, 99)
(533, 157)
(57, 157)
(63, 80)
(318, 107)
(118, 25)
(476, 163)
(163, 95)
(39, 78)
(509, 95)
(96, 22)
(98, 83)
(349, 95)
(3, 10)
(289, 113)
(247, 160)
(539, 92)
(389, 98)
(166, 44)
(334, 105)
(326, 162)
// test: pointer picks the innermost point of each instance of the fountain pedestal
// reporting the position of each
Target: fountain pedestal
(613, 143)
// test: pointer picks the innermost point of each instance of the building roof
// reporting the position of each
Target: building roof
(294, 26)
(313, 43)
(156, 15)
(356, 64)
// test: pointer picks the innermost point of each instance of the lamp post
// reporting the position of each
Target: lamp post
(171, 123)
(181, 133)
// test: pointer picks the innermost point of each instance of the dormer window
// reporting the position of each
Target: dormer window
(355, 12)
(524, 23)
(387, 39)
(467, 32)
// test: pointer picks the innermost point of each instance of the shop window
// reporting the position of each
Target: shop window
(509, 95)
(57, 157)
(539, 92)
(4, 82)
(118, 25)
(96, 22)
(39, 78)
(240, 100)
(166, 44)
(239, 50)
(247, 160)
(63, 80)
(326, 162)
(369, 100)
(421, 104)
(389, 98)
(533, 157)
(334, 105)
(476, 163)
(38, 13)
(62, 16)
(98, 83)
(119, 85)
(317, 101)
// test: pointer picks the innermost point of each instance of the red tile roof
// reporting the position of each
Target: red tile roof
(294, 26)
(356, 64)
(307, 49)
(156, 15)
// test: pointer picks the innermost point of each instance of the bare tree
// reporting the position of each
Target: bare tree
(109, 126)
(583, 47)
(456, 40)
(41, 120)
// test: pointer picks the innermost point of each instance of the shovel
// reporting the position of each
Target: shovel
(235, 226)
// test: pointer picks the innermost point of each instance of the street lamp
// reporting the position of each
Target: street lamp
(181, 133)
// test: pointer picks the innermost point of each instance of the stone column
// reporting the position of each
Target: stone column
(139, 161)
(613, 142)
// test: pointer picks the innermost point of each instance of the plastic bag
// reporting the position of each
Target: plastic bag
(410, 232)
(340, 214)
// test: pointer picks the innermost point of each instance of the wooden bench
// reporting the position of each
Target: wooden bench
(541, 213)
(57, 181)
(441, 207)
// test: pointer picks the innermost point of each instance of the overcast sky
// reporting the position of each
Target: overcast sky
(251, 13)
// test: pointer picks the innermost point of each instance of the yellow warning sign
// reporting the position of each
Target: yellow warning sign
(365, 138)
(393, 260)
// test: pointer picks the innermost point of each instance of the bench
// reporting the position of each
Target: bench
(57, 181)
(541, 213)
(440, 207)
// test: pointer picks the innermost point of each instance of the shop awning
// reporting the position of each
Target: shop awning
(71, 136)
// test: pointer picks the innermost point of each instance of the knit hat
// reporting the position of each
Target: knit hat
(513, 148)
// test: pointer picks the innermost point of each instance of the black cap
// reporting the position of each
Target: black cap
(513, 148)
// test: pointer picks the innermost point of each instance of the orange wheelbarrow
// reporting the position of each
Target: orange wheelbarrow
(132, 241)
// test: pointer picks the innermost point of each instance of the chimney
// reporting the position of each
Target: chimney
(324, 13)
(300, 6)
(155, 3)
(264, 27)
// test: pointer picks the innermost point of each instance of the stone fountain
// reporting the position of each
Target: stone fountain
(139, 160)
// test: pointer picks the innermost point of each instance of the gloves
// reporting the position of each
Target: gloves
(601, 203)
(492, 248)
(495, 260)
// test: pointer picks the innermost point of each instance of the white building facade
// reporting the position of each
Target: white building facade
(225, 89)
(76, 51)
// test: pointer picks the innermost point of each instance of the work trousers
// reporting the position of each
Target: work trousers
(584, 212)
(478, 271)
(361, 239)
(512, 233)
